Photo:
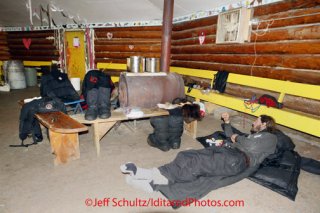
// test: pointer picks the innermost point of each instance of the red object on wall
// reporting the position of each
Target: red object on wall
(26, 42)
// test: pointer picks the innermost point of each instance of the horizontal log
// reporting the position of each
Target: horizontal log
(35, 53)
(34, 58)
(195, 32)
(13, 41)
(195, 23)
(203, 82)
(289, 33)
(138, 28)
(32, 47)
(284, 6)
(4, 54)
(281, 34)
(112, 72)
(4, 58)
(4, 48)
(302, 104)
(258, 11)
(4, 51)
(3, 36)
(125, 55)
(287, 61)
(31, 34)
(292, 12)
(302, 62)
(3, 43)
(209, 39)
(295, 75)
(131, 34)
(122, 41)
(287, 47)
(291, 18)
(128, 48)
(246, 92)
(291, 102)
(110, 60)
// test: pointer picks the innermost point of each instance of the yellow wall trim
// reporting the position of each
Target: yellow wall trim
(36, 63)
(286, 87)
(113, 66)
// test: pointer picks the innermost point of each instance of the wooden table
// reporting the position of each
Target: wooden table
(102, 126)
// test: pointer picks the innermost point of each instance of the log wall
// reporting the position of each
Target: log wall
(117, 44)
(42, 47)
(284, 45)
(287, 48)
(4, 50)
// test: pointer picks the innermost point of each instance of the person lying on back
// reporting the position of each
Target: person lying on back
(245, 151)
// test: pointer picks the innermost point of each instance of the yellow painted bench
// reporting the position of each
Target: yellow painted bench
(290, 118)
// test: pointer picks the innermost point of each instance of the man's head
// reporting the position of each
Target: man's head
(191, 112)
(264, 122)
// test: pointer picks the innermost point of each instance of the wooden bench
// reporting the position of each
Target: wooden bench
(63, 135)
(102, 126)
(291, 118)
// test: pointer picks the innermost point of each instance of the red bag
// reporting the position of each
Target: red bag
(270, 101)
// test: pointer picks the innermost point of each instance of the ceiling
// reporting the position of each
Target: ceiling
(15, 13)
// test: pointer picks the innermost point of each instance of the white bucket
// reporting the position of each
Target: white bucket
(152, 65)
(136, 64)
(75, 83)
(31, 76)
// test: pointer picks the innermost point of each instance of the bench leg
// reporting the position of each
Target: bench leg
(99, 130)
(191, 129)
(64, 146)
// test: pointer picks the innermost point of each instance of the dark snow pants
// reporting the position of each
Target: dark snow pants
(214, 161)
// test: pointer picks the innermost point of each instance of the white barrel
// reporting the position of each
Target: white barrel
(16, 77)
(31, 76)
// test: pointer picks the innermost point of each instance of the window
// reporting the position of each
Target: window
(233, 26)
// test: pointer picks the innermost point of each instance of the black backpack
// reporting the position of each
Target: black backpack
(220, 81)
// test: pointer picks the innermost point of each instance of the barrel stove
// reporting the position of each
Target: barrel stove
(148, 91)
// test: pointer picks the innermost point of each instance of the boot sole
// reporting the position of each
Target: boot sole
(89, 119)
(104, 116)
(164, 149)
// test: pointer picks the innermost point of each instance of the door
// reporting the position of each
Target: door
(75, 54)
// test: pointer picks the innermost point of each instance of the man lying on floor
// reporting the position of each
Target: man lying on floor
(203, 169)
